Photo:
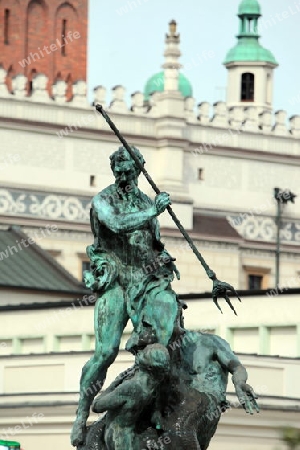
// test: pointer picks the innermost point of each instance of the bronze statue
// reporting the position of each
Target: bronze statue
(171, 397)
(131, 273)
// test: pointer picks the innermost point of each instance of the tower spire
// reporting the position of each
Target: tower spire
(170, 80)
(172, 54)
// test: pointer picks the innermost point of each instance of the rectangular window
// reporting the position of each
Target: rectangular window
(245, 340)
(92, 180)
(247, 87)
(201, 174)
(70, 343)
(63, 34)
(283, 341)
(255, 282)
(6, 26)
(32, 345)
(256, 277)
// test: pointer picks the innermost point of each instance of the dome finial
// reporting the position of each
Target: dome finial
(249, 7)
(173, 27)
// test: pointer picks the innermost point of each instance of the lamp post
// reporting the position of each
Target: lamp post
(282, 197)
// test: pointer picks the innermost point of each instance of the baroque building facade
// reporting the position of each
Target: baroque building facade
(220, 163)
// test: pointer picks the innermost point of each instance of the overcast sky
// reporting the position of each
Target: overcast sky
(126, 44)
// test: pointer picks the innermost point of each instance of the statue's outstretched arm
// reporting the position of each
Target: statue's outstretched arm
(232, 364)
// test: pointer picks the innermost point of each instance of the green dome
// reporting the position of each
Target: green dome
(249, 7)
(157, 83)
(249, 49)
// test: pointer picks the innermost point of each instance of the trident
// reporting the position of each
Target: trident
(220, 288)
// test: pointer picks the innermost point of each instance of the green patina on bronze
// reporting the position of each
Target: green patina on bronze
(173, 396)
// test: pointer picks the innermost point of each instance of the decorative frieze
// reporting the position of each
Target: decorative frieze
(14, 202)
(262, 228)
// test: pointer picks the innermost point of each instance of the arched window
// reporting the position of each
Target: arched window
(6, 26)
(247, 88)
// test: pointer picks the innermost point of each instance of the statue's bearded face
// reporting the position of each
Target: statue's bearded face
(125, 171)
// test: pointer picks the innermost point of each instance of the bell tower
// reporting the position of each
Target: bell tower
(250, 66)
(44, 36)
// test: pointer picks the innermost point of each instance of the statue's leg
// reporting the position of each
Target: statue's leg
(161, 313)
(110, 320)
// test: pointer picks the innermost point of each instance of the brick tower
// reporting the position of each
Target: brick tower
(44, 36)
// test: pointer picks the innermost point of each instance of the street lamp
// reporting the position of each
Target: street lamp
(282, 197)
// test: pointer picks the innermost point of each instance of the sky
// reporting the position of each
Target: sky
(126, 44)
